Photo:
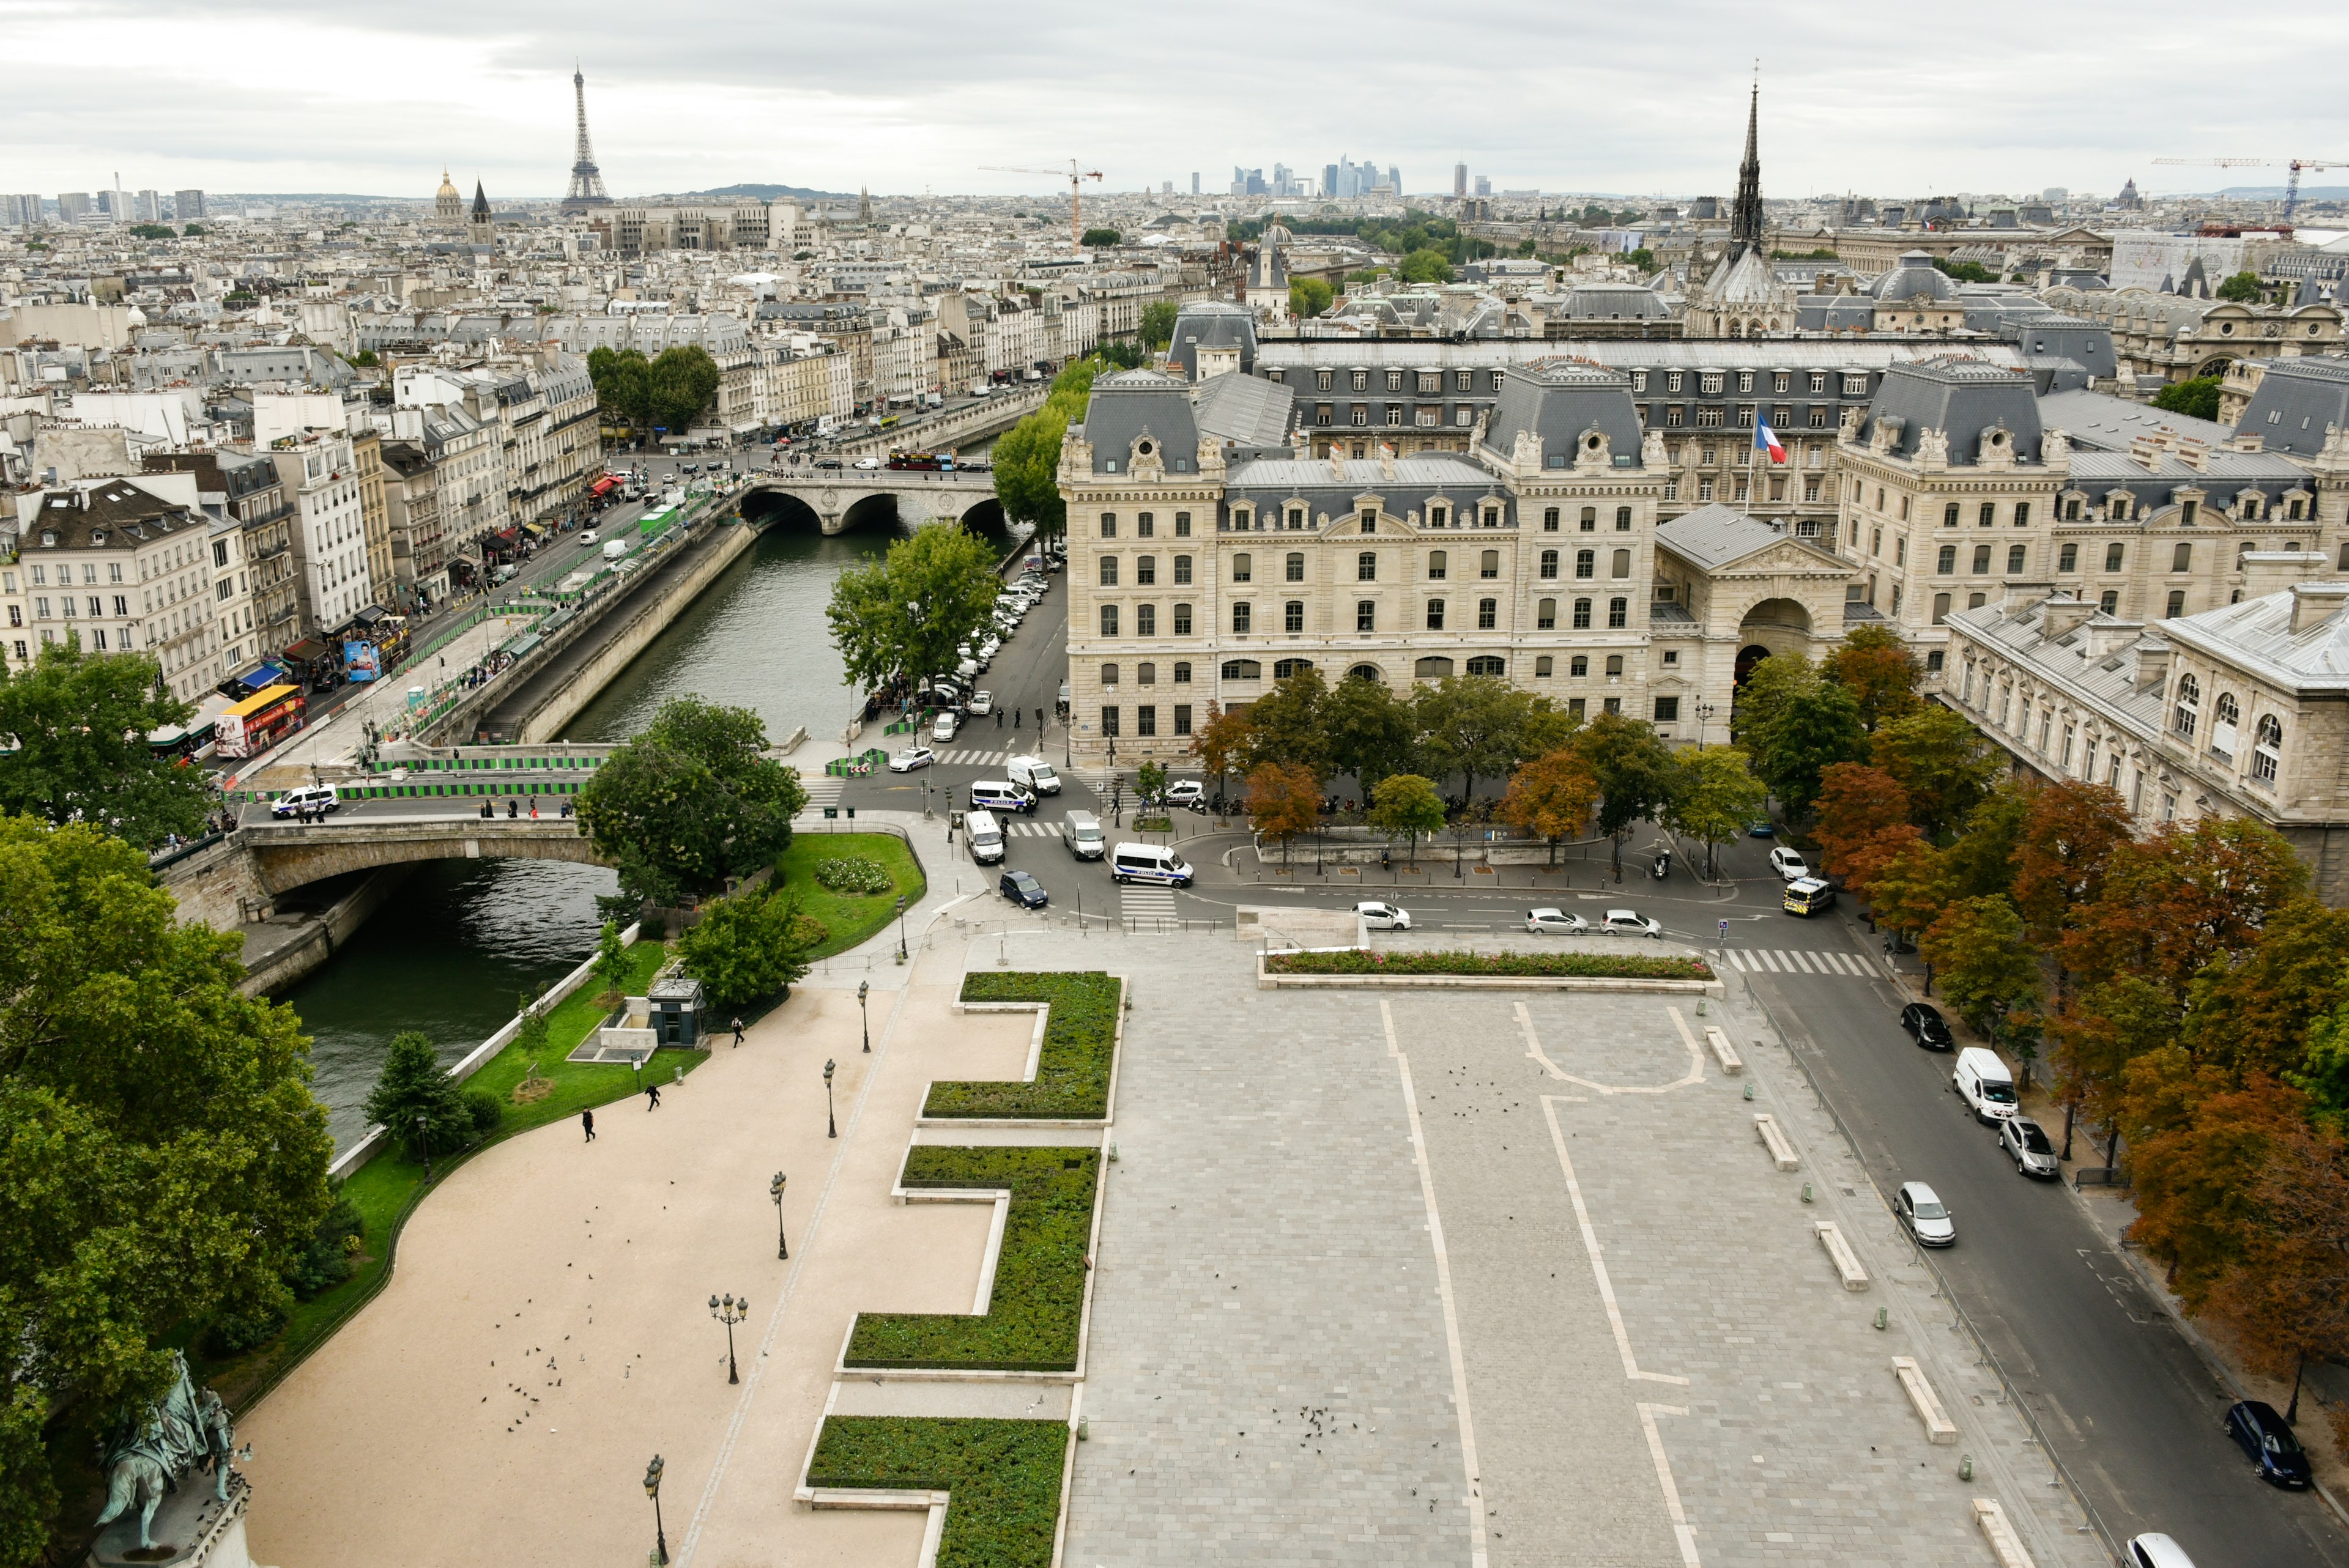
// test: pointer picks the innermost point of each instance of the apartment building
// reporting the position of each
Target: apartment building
(419, 555)
(375, 519)
(248, 487)
(329, 529)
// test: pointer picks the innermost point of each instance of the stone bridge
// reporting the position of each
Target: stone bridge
(832, 494)
(287, 855)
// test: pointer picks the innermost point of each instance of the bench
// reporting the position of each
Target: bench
(1938, 1428)
(2004, 1545)
(1846, 1261)
(1781, 1152)
(1731, 1064)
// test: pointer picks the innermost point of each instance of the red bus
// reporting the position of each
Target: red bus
(924, 462)
(251, 727)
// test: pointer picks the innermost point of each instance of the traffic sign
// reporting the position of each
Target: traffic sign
(833, 811)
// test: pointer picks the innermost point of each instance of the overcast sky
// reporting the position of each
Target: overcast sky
(1890, 101)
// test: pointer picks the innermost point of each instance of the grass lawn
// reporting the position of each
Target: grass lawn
(387, 1187)
(849, 918)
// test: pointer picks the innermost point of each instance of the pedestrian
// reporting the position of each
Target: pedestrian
(587, 1120)
(533, 808)
(652, 1095)
(738, 1030)
(1015, 718)
(999, 719)
(514, 808)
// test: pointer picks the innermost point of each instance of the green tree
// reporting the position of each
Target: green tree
(1222, 742)
(2242, 288)
(1876, 666)
(412, 1084)
(612, 964)
(1967, 271)
(75, 725)
(1986, 968)
(153, 231)
(1714, 796)
(1372, 731)
(1982, 862)
(1289, 725)
(693, 799)
(1027, 457)
(1309, 297)
(747, 948)
(1093, 237)
(2257, 1012)
(1480, 727)
(679, 385)
(903, 617)
(2197, 399)
(1817, 726)
(162, 1160)
(1158, 323)
(1408, 804)
(532, 1031)
(1426, 266)
(1150, 782)
(1944, 763)
(1635, 773)
(192, 231)
(1768, 688)
(1643, 258)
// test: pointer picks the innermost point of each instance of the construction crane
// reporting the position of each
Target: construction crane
(2291, 186)
(1073, 174)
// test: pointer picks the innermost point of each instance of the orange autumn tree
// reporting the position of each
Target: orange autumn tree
(1856, 804)
(1875, 665)
(2070, 831)
(1551, 796)
(1284, 800)
(2285, 1302)
(1222, 741)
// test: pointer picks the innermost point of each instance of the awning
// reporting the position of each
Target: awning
(305, 651)
(604, 486)
(535, 530)
(507, 534)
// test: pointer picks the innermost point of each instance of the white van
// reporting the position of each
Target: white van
(315, 798)
(1148, 864)
(1081, 831)
(1982, 1081)
(615, 549)
(1035, 773)
(985, 837)
(997, 795)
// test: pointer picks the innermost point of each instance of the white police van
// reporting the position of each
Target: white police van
(1148, 864)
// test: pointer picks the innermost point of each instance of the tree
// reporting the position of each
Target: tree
(2319, 1066)
(153, 231)
(2286, 1302)
(2197, 399)
(1223, 741)
(2261, 1011)
(2180, 898)
(1943, 761)
(76, 725)
(1817, 726)
(612, 964)
(2196, 1184)
(903, 618)
(1905, 884)
(679, 385)
(1981, 863)
(2069, 835)
(1634, 771)
(1987, 969)
(692, 800)
(1406, 803)
(193, 231)
(1150, 782)
(1309, 297)
(1284, 800)
(1370, 731)
(1714, 796)
(1642, 259)
(1876, 666)
(531, 1031)
(412, 1084)
(162, 1160)
(1426, 266)
(747, 948)
(1477, 727)
(1762, 700)
(1158, 323)
(1093, 237)
(1285, 725)
(1856, 803)
(1551, 796)
(2242, 288)
(1027, 457)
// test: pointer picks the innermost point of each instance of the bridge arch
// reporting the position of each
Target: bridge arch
(285, 857)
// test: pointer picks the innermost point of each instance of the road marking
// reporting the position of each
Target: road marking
(1598, 1264)
(1696, 1061)
(1470, 1467)
(1798, 961)
(1680, 1528)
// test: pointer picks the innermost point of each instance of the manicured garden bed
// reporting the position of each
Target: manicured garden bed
(1072, 1071)
(1002, 1479)
(848, 918)
(1498, 965)
(1037, 1306)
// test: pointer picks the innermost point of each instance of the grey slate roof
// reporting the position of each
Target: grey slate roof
(1211, 324)
(2296, 400)
(2106, 682)
(1715, 536)
(1245, 410)
(1964, 398)
(1131, 404)
(1915, 274)
(1267, 482)
(2256, 635)
(1559, 403)
(2098, 421)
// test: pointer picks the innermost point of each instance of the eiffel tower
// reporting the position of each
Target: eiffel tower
(586, 181)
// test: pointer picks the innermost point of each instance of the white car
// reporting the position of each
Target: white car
(1630, 922)
(988, 649)
(868, 462)
(1383, 917)
(912, 756)
(981, 702)
(944, 729)
(1184, 791)
(1789, 864)
(1554, 923)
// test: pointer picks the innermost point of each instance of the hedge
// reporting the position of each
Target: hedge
(1002, 1478)
(1032, 1317)
(1578, 965)
(1073, 1068)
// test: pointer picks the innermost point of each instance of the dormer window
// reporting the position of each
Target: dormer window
(49, 538)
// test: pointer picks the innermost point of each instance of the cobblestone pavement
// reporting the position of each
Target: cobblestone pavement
(1272, 1266)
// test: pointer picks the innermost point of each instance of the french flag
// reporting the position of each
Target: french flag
(1765, 439)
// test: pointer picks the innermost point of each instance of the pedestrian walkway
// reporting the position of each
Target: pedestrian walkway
(1150, 904)
(968, 757)
(822, 789)
(1795, 961)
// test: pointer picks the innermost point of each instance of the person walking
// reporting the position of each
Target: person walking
(652, 1095)
(737, 1031)
(999, 719)
(533, 808)
(587, 1120)
(1015, 718)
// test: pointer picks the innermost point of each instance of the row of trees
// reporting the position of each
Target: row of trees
(2189, 993)
(1027, 457)
(666, 393)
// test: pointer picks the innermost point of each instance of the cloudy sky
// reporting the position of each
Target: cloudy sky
(1893, 100)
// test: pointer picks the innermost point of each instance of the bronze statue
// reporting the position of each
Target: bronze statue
(150, 1452)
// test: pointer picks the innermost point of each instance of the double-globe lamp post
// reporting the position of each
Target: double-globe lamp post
(830, 1124)
(652, 1490)
(865, 989)
(775, 1190)
(901, 928)
(730, 1312)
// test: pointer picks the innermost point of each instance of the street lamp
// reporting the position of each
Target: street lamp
(424, 1138)
(831, 1125)
(901, 928)
(865, 989)
(775, 1190)
(652, 1490)
(730, 1312)
(1704, 712)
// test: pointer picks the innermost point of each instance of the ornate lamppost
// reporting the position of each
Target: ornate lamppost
(865, 989)
(901, 928)
(730, 1312)
(831, 1125)
(424, 1138)
(652, 1490)
(775, 1190)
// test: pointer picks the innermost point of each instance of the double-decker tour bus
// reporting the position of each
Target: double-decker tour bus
(251, 727)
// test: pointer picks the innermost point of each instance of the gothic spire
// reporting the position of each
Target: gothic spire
(1746, 221)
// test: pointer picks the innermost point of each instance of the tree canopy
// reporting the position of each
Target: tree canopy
(1092, 237)
(1158, 323)
(903, 617)
(2242, 288)
(162, 1159)
(692, 800)
(1028, 456)
(666, 393)
(1309, 297)
(78, 722)
(2197, 399)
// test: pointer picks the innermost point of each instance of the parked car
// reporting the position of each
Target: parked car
(1927, 1026)
(1383, 917)
(944, 729)
(1187, 792)
(2155, 1550)
(1630, 922)
(1554, 923)
(1789, 864)
(981, 703)
(912, 756)
(2026, 1143)
(310, 798)
(2277, 1456)
(1982, 1081)
(1023, 889)
(1762, 828)
(1922, 1211)
(589, 536)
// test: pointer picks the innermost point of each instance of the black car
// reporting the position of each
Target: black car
(1023, 889)
(1927, 1026)
(2267, 1436)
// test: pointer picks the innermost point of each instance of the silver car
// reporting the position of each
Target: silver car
(1383, 917)
(1927, 1218)
(1630, 923)
(2026, 1144)
(1554, 923)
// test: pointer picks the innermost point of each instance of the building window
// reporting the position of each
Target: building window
(1181, 570)
(1109, 720)
(1243, 568)
(1240, 618)
(1182, 525)
(1582, 614)
(1293, 569)
(2188, 706)
(1108, 620)
(1586, 564)
(1182, 672)
(1487, 664)
(1296, 518)
(1622, 563)
(2267, 750)
(1982, 559)
(1145, 570)
(1437, 564)
(1182, 623)
(2177, 604)
(1622, 520)
(1488, 564)
(1145, 525)
(1668, 709)
(1549, 564)
(1579, 666)
(2181, 559)
(1947, 560)
(1243, 670)
(2068, 558)
(1395, 410)
(1105, 576)
(1109, 525)
(2112, 557)
(1488, 613)
(1614, 667)
(1941, 608)
(1545, 614)
(1366, 567)
(1145, 621)
(1544, 667)
(1292, 615)
(1434, 667)
(1366, 615)
(1435, 615)
(2186, 513)
(1109, 674)
(1618, 614)
(1438, 516)
(2108, 601)
(1145, 673)
(1145, 719)
(1182, 719)
(2016, 555)
(1549, 519)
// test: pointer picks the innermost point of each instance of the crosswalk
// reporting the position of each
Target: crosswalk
(1020, 830)
(1148, 905)
(970, 756)
(822, 789)
(1795, 961)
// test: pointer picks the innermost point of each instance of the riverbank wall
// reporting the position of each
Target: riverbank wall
(282, 948)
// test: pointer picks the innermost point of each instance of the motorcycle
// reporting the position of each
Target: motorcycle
(1664, 866)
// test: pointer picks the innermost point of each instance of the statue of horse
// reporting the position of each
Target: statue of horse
(150, 1452)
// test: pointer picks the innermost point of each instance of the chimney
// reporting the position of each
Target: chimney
(2020, 597)
(2152, 666)
(2313, 602)
(2107, 637)
(2194, 453)
(2064, 616)
(2267, 572)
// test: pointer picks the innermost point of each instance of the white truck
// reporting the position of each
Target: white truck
(615, 549)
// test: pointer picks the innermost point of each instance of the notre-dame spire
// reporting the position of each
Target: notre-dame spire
(1745, 217)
